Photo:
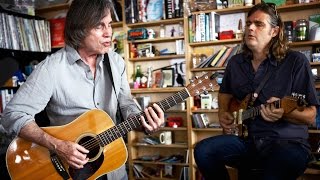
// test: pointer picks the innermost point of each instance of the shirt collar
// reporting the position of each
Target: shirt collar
(270, 58)
(72, 54)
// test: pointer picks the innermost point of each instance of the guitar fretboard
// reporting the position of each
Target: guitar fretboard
(255, 111)
(134, 121)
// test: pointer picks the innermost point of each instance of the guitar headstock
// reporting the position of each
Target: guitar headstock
(202, 84)
(295, 101)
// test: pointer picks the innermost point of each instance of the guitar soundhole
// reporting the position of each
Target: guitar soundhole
(91, 144)
(96, 159)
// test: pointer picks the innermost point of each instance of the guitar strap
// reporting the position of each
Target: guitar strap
(119, 117)
(262, 83)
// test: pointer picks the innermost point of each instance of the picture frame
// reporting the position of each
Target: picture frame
(157, 77)
(168, 77)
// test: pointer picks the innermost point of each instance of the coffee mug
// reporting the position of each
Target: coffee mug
(165, 137)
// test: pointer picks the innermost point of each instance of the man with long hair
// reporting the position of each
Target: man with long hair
(265, 72)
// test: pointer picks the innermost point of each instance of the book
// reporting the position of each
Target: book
(207, 61)
(234, 51)
(221, 52)
(224, 57)
(57, 31)
(205, 120)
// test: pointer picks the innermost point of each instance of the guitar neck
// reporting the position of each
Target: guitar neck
(134, 121)
(251, 113)
(255, 111)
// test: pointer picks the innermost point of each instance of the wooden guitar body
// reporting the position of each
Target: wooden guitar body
(27, 160)
(95, 131)
(236, 105)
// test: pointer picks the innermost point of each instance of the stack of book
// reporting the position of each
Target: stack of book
(220, 58)
(200, 120)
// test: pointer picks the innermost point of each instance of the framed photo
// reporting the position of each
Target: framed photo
(158, 78)
(168, 77)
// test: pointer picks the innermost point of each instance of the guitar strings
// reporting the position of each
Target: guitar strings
(165, 104)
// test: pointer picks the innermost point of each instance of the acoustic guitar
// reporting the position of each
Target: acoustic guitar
(240, 113)
(96, 132)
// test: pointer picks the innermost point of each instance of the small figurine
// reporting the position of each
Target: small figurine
(173, 31)
(151, 34)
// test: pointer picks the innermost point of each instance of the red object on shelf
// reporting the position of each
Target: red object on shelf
(174, 120)
(226, 35)
(57, 32)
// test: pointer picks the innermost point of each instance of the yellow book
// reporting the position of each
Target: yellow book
(221, 52)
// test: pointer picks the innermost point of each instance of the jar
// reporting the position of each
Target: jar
(301, 30)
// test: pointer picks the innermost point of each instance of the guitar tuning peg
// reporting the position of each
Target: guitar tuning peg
(196, 77)
(197, 92)
(191, 80)
(205, 92)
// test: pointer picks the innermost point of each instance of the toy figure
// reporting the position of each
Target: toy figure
(151, 34)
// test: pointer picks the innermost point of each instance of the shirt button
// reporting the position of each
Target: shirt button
(98, 104)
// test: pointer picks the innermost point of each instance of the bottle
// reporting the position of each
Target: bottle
(180, 29)
(138, 75)
(301, 30)
(161, 34)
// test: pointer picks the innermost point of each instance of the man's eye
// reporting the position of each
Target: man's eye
(248, 24)
(259, 24)
(99, 26)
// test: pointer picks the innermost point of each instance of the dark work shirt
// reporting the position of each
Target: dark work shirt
(292, 75)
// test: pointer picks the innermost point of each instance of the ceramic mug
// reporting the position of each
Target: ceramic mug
(165, 137)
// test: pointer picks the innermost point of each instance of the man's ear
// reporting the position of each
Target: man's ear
(275, 31)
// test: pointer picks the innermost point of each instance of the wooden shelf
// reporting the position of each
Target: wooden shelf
(312, 171)
(284, 8)
(176, 111)
(314, 63)
(304, 43)
(157, 40)
(117, 24)
(162, 145)
(314, 131)
(205, 111)
(160, 163)
(157, 90)
(217, 42)
(173, 129)
(226, 10)
(207, 69)
(298, 7)
(157, 58)
(55, 7)
(156, 23)
(208, 129)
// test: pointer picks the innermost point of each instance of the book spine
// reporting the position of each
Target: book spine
(202, 27)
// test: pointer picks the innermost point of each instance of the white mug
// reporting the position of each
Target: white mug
(165, 137)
